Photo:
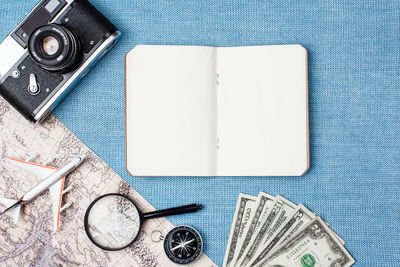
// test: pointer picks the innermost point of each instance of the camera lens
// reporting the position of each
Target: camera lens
(54, 48)
(50, 45)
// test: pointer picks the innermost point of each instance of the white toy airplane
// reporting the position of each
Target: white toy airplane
(52, 179)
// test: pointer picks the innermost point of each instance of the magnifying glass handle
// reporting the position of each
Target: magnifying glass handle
(172, 211)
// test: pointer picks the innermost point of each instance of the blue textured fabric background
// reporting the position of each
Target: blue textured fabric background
(354, 58)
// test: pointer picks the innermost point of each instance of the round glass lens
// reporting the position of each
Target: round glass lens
(113, 222)
(50, 45)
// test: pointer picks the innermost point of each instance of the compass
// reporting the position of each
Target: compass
(183, 244)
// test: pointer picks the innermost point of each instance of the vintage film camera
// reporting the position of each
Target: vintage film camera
(49, 53)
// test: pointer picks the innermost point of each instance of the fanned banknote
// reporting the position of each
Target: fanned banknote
(281, 211)
(313, 245)
(244, 210)
(264, 230)
(262, 207)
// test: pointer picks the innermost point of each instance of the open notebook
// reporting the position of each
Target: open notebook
(206, 111)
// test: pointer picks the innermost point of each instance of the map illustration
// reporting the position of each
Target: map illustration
(32, 242)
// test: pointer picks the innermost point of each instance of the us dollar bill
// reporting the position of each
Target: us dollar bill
(281, 219)
(313, 245)
(263, 206)
(281, 211)
(246, 226)
(337, 236)
(301, 217)
(244, 209)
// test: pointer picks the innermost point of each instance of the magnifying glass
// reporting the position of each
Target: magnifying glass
(112, 222)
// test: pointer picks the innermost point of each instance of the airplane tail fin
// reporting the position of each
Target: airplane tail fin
(9, 203)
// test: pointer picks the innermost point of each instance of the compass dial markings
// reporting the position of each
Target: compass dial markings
(183, 245)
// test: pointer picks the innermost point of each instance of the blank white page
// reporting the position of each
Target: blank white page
(171, 111)
(263, 111)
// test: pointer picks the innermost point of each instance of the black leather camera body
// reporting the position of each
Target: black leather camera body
(50, 52)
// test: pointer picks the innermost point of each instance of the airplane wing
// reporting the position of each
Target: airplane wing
(56, 192)
(40, 171)
(16, 211)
